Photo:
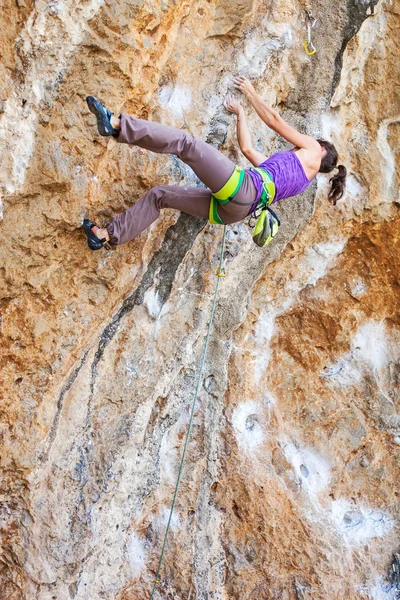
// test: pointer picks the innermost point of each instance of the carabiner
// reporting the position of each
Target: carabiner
(221, 272)
(310, 49)
(312, 20)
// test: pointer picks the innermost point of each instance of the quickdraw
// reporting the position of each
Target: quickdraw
(308, 45)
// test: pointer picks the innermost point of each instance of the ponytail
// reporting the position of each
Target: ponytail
(338, 182)
(328, 163)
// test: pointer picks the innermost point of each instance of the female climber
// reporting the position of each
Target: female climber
(232, 193)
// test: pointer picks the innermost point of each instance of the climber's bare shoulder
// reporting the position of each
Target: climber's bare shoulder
(307, 149)
(310, 159)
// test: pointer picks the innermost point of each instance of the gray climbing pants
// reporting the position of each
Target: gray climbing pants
(210, 166)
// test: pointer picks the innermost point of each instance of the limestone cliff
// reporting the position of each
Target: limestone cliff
(290, 489)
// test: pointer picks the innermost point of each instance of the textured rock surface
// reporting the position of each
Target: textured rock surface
(291, 484)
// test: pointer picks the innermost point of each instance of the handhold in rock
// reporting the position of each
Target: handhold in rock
(353, 518)
(304, 471)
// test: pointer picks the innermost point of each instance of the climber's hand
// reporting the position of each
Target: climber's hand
(232, 105)
(244, 85)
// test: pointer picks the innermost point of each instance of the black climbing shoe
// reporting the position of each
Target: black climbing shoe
(103, 116)
(94, 242)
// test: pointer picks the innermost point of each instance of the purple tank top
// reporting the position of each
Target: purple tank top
(287, 172)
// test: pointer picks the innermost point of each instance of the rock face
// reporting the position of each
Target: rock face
(290, 488)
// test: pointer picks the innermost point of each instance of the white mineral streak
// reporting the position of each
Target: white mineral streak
(382, 590)
(388, 158)
(355, 197)
(371, 344)
(160, 521)
(152, 303)
(260, 47)
(373, 350)
(176, 98)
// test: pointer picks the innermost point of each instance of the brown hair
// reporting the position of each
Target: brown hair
(328, 163)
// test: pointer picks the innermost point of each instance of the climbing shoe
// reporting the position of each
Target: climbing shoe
(103, 116)
(94, 242)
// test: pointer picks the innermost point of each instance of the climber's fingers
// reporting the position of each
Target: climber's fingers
(232, 104)
(243, 84)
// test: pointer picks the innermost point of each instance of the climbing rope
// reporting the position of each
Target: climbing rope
(219, 273)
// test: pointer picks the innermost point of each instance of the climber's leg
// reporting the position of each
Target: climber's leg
(193, 201)
(129, 224)
(210, 165)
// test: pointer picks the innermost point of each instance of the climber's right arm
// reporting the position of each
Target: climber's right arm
(272, 118)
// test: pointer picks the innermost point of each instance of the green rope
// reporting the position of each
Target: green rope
(220, 273)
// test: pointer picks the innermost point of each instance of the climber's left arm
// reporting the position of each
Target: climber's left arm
(243, 132)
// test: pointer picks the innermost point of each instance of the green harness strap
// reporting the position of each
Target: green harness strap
(269, 190)
(268, 223)
(231, 188)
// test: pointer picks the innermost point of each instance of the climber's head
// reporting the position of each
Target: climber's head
(329, 156)
(328, 163)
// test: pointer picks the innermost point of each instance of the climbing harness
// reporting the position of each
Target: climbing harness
(308, 45)
(220, 273)
(267, 224)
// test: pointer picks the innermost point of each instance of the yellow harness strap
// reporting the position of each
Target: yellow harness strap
(223, 196)
(231, 187)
